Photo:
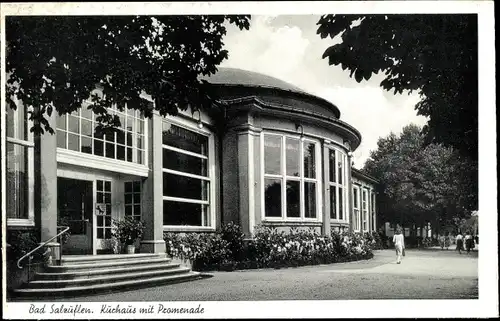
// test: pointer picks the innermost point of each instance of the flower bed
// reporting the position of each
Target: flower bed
(227, 250)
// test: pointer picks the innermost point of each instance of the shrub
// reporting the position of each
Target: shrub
(204, 250)
(374, 240)
(235, 238)
(128, 230)
(214, 250)
(21, 242)
(269, 248)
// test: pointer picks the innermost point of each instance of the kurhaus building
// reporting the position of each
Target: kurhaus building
(270, 154)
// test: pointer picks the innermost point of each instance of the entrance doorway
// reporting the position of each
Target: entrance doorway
(75, 209)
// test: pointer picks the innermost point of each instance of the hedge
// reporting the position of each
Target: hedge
(227, 249)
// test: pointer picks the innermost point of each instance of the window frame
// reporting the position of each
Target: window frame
(137, 117)
(283, 177)
(335, 184)
(356, 206)
(133, 204)
(365, 211)
(111, 191)
(28, 144)
(373, 212)
(192, 125)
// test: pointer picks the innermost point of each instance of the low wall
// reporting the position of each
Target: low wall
(16, 277)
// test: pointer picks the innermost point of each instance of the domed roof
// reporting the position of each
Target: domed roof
(234, 76)
(267, 89)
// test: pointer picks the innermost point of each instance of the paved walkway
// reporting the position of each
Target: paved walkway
(453, 247)
(423, 274)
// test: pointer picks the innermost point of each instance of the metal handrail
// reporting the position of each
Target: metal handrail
(41, 245)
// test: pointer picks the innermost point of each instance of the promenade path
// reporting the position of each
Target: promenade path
(423, 274)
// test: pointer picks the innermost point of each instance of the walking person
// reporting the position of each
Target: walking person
(460, 242)
(469, 242)
(399, 244)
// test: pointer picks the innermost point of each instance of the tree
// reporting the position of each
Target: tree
(54, 63)
(435, 55)
(421, 182)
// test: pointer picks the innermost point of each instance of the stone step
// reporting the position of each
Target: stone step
(113, 278)
(104, 264)
(105, 287)
(77, 259)
(87, 273)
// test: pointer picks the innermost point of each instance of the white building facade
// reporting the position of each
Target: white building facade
(269, 154)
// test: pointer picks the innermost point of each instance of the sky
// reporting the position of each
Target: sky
(288, 48)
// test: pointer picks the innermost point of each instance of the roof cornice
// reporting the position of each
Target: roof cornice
(295, 93)
(362, 175)
(263, 107)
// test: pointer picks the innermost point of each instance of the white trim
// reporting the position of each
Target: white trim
(100, 242)
(364, 210)
(291, 220)
(28, 145)
(279, 176)
(187, 124)
(185, 174)
(20, 142)
(251, 185)
(185, 200)
(284, 178)
(183, 151)
(94, 217)
(302, 195)
(188, 228)
(21, 222)
(113, 110)
(357, 224)
(211, 201)
(262, 179)
(319, 182)
(373, 210)
(339, 156)
(145, 143)
(310, 136)
(99, 162)
(212, 188)
(125, 204)
(93, 178)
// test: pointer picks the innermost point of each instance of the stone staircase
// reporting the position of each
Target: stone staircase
(79, 274)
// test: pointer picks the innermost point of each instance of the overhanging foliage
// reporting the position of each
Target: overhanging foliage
(54, 63)
(436, 55)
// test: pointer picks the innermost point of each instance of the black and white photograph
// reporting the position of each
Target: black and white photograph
(248, 159)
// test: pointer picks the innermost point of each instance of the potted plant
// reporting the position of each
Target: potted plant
(127, 232)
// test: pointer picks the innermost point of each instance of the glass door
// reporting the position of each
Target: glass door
(75, 199)
(103, 216)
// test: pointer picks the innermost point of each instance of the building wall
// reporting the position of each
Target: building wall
(232, 170)
(236, 157)
(230, 174)
(362, 184)
(286, 125)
